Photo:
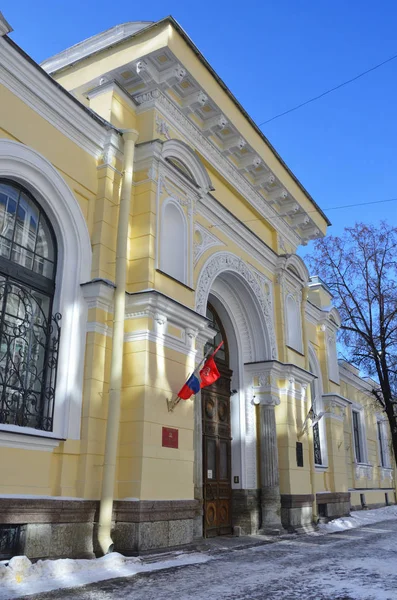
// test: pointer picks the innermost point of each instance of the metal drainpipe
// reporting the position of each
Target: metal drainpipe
(116, 369)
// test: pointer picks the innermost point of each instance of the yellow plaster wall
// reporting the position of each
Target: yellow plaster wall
(146, 470)
(25, 125)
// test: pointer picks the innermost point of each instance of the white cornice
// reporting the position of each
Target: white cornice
(45, 97)
(148, 157)
(112, 86)
(156, 99)
(355, 380)
(5, 27)
(95, 43)
(322, 316)
(99, 294)
(153, 302)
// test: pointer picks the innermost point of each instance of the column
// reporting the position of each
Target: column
(270, 489)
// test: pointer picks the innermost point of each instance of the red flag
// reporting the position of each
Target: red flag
(209, 373)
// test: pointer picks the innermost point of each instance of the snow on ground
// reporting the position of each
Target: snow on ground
(359, 519)
(21, 577)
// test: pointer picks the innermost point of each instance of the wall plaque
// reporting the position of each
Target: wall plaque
(170, 437)
(299, 454)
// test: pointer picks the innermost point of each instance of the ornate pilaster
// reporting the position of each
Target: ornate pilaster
(270, 489)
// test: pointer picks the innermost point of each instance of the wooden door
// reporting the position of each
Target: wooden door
(217, 489)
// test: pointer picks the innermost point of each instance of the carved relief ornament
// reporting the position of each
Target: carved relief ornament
(225, 261)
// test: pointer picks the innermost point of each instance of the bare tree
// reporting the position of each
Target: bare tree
(360, 268)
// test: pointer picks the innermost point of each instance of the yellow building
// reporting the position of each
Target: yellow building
(143, 218)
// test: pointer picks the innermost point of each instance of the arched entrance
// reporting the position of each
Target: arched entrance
(241, 298)
(216, 427)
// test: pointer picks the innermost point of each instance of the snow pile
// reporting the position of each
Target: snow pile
(20, 577)
(359, 519)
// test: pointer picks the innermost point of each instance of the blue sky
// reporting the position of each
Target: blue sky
(274, 55)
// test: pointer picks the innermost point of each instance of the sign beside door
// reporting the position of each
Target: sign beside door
(170, 437)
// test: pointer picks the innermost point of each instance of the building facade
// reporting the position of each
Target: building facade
(132, 180)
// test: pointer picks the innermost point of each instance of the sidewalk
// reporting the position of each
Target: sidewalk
(226, 543)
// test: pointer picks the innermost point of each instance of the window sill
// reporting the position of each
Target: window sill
(320, 468)
(27, 438)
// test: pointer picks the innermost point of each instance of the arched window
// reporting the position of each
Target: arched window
(173, 241)
(294, 333)
(29, 334)
(178, 164)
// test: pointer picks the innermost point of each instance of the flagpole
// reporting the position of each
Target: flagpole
(173, 402)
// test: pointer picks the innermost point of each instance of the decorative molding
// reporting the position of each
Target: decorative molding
(163, 310)
(268, 381)
(363, 471)
(5, 27)
(208, 240)
(39, 176)
(221, 262)
(112, 150)
(224, 221)
(386, 473)
(96, 327)
(10, 438)
(354, 379)
(147, 97)
(250, 441)
(99, 294)
(162, 128)
(47, 99)
(187, 129)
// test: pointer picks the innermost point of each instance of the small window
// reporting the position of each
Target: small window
(357, 436)
(294, 334)
(333, 367)
(173, 246)
(178, 164)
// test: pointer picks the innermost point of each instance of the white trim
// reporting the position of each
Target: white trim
(45, 97)
(32, 440)
(195, 137)
(261, 291)
(318, 405)
(27, 167)
(99, 294)
(97, 327)
(184, 241)
(382, 421)
(357, 408)
(349, 376)
(291, 337)
(177, 149)
(93, 44)
(5, 27)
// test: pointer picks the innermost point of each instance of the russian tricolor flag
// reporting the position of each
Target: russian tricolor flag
(207, 375)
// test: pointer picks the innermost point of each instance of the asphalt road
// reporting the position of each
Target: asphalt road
(359, 564)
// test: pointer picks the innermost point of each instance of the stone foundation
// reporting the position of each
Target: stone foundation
(246, 510)
(331, 505)
(148, 525)
(67, 528)
(297, 512)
